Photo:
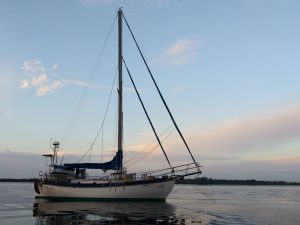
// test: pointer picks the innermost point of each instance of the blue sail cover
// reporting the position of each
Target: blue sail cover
(115, 164)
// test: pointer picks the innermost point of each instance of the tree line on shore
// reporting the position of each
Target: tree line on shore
(210, 181)
(200, 181)
(17, 179)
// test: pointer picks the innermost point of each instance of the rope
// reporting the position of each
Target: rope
(145, 152)
(139, 153)
(173, 192)
(197, 189)
(105, 114)
(203, 193)
(75, 113)
(116, 126)
(149, 151)
(102, 144)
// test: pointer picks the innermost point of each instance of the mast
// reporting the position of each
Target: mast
(120, 89)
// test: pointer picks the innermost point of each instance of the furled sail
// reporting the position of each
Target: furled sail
(115, 164)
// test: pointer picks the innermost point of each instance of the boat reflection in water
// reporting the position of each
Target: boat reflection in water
(52, 213)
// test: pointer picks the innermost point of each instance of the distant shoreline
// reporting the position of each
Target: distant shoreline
(17, 180)
(210, 181)
(198, 181)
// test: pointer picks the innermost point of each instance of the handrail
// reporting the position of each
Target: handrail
(170, 168)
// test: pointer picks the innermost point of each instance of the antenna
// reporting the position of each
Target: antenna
(55, 149)
(50, 142)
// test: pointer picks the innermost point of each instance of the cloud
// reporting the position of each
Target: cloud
(27, 165)
(283, 160)
(82, 84)
(33, 67)
(266, 169)
(181, 52)
(273, 136)
(39, 78)
(20, 165)
(259, 146)
(250, 133)
(44, 89)
(24, 84)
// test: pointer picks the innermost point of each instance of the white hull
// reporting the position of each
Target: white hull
(146, 191)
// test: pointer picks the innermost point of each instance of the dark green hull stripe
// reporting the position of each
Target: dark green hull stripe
(78, 199)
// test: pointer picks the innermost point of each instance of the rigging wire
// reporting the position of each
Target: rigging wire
(165, 138)
(116, 127)
(102, 144)
(149, 151)
(150, 122)
(162, 98)
(90, 156)
(105, 114)
(75, 113)
(205, 194)
(146, 148)
(213, 201)
(175, 191)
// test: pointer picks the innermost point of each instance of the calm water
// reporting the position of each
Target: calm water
(213, 205)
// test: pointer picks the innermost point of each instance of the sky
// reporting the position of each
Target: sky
(229, 71)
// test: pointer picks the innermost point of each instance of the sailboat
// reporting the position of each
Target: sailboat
(69, 181)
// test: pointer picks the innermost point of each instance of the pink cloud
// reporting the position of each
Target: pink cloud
(181, 52)
(253, 132)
